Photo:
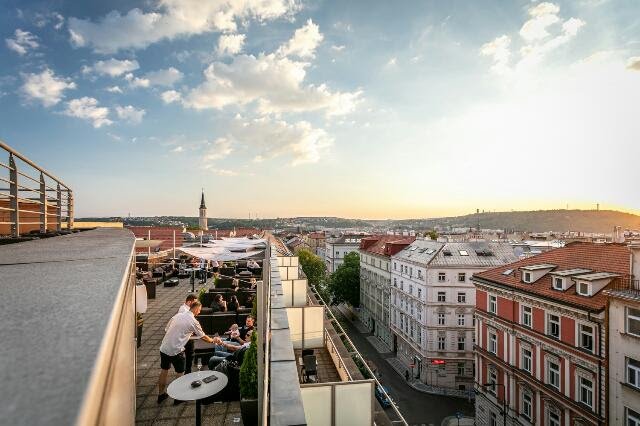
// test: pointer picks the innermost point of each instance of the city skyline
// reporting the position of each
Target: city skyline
(368, 110)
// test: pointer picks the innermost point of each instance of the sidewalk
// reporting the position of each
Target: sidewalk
(401, 369)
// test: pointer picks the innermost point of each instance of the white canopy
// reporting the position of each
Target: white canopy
(227, 249)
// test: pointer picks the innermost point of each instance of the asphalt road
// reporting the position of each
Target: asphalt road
(418, 408)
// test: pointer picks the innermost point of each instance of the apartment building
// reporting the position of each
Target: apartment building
(623, 349)
(432, 304)
(375, 282)
(316, 242)
(541, 336)
(337, 248)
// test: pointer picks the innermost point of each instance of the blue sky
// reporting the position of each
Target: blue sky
(356, 109)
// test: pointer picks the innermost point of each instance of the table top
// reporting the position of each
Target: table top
(181, 389)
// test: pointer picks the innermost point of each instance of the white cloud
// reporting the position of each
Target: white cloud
(542, 15)
(498, 50)
(224, 172)
(275, 83)
(219, 149)
(304, 41)
(112, 67)
(22, 42)
(532, 54)
(392, 62)
(230, 44)
(130, 114)
(46, 87)
(170, 96)
(166, 77)
(172, 18)
(339, 48)
(87, 108)
(178, 149)
(114, 89)
(269, 138)
(634, 63)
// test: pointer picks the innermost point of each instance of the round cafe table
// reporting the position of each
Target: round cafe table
(181, 389)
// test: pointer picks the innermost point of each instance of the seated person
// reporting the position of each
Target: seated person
(233, 304)
(235, 283)
(245, 330)
(252, 264)
(253, 283)
(249, 301)
(219, 304)
(225, 350)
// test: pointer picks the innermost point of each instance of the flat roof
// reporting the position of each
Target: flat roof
(569, 272)
(596, 276)
(58, 294)
(538, 267)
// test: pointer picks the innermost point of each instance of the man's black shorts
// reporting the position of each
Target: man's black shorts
(177, 361)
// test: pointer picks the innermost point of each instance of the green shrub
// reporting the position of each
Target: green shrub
(201, 293)
(249, 371)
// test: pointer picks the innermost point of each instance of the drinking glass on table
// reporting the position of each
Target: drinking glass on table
(199, 364)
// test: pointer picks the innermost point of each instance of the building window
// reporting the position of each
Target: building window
(493, 343)
(526, 277)
(442, 296)
(441, 277)
(558, 283)
(462, 277)
(526, 316)
(492, 382)
(586, 337)
(441, 343)
(462, 297)
(584, 289)
(553, 374)
(633, 417)
(461, 320)
(554, 419)
(493, 304)
(461, 369)
(526, 405)
(440, 318)
(633, 321)
(525, 362)
(493, 419)
(633, 372)
(410, 289)
(395, 282)
(461, 341)
(586, 391)
(553, 325)
(419, 292)
(395, 266)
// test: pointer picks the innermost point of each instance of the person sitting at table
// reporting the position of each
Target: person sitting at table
(248, 301)
(178, 332)
(219, 304)
(253, 283)
(235, 283)
(233, 304)
(248, 326)
(215, 266)
(228, 350)
(252, 264)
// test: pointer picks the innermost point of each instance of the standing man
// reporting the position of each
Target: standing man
(180, 329)
(203, 271)
(188, 348)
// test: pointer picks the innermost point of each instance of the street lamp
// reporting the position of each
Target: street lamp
(504, 399)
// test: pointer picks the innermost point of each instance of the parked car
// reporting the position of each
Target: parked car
(381, 397)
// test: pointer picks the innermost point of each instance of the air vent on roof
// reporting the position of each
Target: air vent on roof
(414, 248)
(464, 253)
(422, 250)
(508, 272)
(484, 253)
(446, 252)
(431, 251)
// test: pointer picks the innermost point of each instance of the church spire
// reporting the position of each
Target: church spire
(202, 205)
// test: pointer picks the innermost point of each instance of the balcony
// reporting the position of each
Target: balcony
(624, 288)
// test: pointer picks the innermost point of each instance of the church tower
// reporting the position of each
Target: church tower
(202, 220)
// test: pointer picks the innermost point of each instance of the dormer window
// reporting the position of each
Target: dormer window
(558, 283)
(526, 277)
(584, 289)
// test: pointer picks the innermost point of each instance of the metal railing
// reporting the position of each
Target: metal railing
(35, 200)
(625, 284)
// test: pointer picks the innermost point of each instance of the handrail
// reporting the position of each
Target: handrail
(32, 164)
(359, 355)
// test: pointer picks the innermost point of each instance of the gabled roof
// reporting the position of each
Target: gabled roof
(385, 245)
(613, 258)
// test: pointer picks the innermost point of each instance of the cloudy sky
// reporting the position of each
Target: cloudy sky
(365, 108)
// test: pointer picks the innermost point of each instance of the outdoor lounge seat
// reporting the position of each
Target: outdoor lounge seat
(310, 367)
(171, 282)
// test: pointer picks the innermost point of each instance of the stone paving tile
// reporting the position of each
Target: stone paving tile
(160, 310)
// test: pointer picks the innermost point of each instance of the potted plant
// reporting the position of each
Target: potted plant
(249, 384)
(201, 293)
(139, 324)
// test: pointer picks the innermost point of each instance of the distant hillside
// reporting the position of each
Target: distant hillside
(536, 221)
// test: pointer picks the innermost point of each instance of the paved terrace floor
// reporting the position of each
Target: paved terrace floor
(325, 367)
(148, 412)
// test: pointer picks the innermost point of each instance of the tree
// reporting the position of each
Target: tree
(432, 234)
(313, 266)
(344, 283)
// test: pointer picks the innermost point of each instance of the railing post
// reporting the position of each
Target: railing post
(59, 208)
(14, 203)
(43, 204)
(69, 209)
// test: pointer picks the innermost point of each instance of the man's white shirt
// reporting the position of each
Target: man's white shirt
(183, 308)
(181, 327)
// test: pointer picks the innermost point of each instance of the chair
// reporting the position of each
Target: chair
(306, 352)
(310, 367)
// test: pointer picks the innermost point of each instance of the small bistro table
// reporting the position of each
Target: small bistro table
(181, 389)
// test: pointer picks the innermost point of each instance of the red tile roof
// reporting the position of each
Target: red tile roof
(596, 257)
(385, 245)
(316, 235)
